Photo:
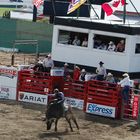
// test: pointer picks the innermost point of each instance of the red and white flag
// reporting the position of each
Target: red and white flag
(37, 3)
(110, 7)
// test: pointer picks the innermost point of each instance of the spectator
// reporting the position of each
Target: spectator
(76, 41)
(120, 46)
(48, 63)
(69, 41)
(125, 84)
(76, 73)
(101, 71)
(97, 42)
(66, 71)
(85, 42)
(39, 66)
(110, 78)
(111, 46)
(103, 46)
(82, 75)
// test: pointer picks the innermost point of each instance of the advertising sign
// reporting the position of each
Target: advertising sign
(101, 110)
(135, 107)
(32, 98)
(10, 72)
(77, 103)
(7, 93)
(8, 82)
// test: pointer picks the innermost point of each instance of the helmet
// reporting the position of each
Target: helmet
(56, 90)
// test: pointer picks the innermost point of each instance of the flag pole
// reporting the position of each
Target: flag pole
(124, 12)
(78, 12)
(93, 8)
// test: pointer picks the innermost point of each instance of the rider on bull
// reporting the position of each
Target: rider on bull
(59, 96)
(58, 99)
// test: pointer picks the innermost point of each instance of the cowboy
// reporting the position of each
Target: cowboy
(101, 72)
(110, 78)
(125, 84)
(66, 71)
(76, 73)
(82, 75)
(58, 99)
(48, 63)
(58, 96)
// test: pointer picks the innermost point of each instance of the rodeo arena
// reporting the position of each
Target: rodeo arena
(86, 87)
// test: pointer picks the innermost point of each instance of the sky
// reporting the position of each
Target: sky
(129, 7)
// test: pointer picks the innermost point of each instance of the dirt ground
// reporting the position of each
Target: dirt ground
(23, 121)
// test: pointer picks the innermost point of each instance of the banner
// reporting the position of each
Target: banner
(110, 7)
(135, 107)
(32, 98)
(8, 82)
(74, 5)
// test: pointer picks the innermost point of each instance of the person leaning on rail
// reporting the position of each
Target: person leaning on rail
(82, 75)
(125, 84)
(110, 78)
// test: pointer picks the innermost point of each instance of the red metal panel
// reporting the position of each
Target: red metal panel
(103, 93)
(38, 82)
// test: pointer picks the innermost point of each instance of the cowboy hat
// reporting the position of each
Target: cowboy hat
(66, 64)
(125, 75)
(77, 67)
(101, 62)
(49, 55)
(83, 70)
(111, 42)
(109, 74)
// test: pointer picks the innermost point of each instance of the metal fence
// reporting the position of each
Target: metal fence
(11, 30)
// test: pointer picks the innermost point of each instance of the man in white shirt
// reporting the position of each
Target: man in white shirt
(125, 84)
(48, 63)
(101, 71)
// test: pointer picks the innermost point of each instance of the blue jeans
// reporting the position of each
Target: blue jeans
(100, 77)
(125, 93)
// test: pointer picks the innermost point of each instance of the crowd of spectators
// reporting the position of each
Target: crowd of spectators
(110, 46)
(78, 42)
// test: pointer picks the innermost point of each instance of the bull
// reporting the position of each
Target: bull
(56, 111)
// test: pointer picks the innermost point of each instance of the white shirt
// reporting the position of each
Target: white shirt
(101, 71)
(111, 47)
(48, 63)
(76, 42)
(84, 43)
(125, 82)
